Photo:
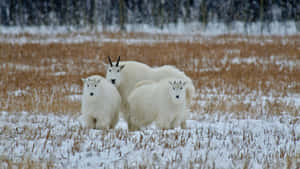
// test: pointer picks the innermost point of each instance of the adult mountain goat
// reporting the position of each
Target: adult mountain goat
(100, 103)
(163, 102)
(125, 75)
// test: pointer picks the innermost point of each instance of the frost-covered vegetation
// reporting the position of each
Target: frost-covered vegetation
(245, 114)
(59, 142)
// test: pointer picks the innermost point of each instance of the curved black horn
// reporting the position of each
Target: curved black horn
(118, 61)
(108, 57)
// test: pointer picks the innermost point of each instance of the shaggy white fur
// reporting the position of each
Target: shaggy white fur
(100, 103)
(131, 72)
(163, 102)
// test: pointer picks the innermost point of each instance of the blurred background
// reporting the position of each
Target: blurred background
(157, 13)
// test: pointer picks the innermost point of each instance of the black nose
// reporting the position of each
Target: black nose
(177, 96)
(92, 94)
(113, 81)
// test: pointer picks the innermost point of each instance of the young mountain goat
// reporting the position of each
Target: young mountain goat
(163, 102)
(100, 103)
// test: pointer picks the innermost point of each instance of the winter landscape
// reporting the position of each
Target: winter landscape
(245, 113)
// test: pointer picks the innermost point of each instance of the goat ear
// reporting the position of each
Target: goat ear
(83, 80)
(184, 83)
(121, 67)
(98, 80)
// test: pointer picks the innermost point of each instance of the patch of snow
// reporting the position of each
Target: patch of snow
(250, 60)
(18, 92)
(20, 67)
(292, 99)
(233, 51)
(213, 69)
(59, 73)
(211, 29)
(74, 97)
(291, 64)
(223, 143)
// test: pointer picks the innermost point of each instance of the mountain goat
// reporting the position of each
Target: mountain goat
(125, 75)
(100, 103)
(163, 102)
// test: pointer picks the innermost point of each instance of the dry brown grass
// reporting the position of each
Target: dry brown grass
(31, 68)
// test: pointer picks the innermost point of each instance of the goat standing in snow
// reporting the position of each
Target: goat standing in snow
(163, 102)
(125, 75)
(100, 103)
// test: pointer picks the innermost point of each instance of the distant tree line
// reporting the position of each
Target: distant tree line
(153, 12)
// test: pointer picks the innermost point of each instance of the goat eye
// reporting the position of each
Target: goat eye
(109, 70)
(95, 85)
(181, 88)
(173, 88)
(118, 70)
(88, 85)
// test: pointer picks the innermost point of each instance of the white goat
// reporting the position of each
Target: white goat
(125, 75)
(163, 102)
(100, 103)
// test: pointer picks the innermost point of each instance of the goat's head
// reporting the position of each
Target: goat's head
(113, 72)
(177, 90)
(91, 86)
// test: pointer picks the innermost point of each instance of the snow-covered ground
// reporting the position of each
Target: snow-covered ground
(209, 143)
(211, 29)
(184, 32)
(266, 136)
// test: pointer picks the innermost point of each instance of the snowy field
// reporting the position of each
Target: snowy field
(245, 113)
(194, 28)
(60, 142)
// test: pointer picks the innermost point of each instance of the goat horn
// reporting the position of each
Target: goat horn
(118, 61)
(109, 61)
